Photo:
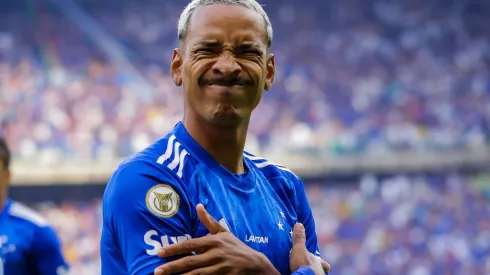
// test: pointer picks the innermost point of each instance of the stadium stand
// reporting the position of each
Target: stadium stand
(407, 75)
(88, 80)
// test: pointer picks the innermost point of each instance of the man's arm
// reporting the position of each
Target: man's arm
(46, 253)
(145, 209)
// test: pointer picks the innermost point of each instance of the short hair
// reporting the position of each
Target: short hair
(185, 16)
(4, 153)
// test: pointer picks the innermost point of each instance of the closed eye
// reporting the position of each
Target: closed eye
(204, 51)
(251, 52)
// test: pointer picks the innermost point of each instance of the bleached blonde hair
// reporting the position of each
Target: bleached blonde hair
(185, 16)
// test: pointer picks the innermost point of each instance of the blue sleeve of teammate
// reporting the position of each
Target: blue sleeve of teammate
(305, 216)
(47, 255)
(145, 208)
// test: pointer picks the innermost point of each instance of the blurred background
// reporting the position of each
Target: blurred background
(383, 107)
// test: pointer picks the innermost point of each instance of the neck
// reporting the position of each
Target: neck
(225, 145)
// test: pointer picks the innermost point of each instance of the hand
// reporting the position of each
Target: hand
(218, 253)
(301, 257)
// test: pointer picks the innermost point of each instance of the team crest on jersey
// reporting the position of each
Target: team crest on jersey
(162, 200)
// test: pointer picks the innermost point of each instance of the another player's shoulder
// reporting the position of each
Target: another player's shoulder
(27, 215)
(269, 168)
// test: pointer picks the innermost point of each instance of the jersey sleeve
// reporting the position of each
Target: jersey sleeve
(305, 216)
(46, 252)
(145, 208)
(303, 271)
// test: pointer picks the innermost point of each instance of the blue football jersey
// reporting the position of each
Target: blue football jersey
(28, 245)
(150, 203)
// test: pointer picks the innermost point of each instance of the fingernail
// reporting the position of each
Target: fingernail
(299, 226)
(159, 271)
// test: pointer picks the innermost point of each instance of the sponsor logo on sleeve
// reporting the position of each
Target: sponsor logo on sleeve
(163, 201)
(157, 242)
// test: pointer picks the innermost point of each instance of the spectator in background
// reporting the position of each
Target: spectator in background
(28, 245)
(386, 77)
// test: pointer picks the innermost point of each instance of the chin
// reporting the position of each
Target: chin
(225, 119)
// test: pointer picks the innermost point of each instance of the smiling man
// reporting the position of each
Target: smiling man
(194, 201)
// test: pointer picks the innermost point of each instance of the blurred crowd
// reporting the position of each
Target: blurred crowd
(79, 226)
(352, 77)
(417, 225)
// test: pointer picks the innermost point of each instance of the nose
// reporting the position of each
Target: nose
(226, 65)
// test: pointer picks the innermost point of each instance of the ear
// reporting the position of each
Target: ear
(176, 67)
(271, 71)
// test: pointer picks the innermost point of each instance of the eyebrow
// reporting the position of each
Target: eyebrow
(216, 44)
(209, 44)
(248, 45)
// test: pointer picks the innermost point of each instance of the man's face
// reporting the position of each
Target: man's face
(223, 64)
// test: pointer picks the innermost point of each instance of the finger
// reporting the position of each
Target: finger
(325, 266)
(208, 221)
(215, 269)
(185, 264)
(199, 245)
(299, 235)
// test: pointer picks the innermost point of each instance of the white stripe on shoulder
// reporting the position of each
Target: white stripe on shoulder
(267, 163)
(173, 148)
(168, 152)
(181, 163)
(175, 161)
(178, 161)
(250, 157)
(262, 162)
(255, 158)
(24, 212)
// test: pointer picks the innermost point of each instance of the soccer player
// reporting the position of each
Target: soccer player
(28, 245)
(194, 202)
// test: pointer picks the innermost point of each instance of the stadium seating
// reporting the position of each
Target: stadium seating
(352, 78)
